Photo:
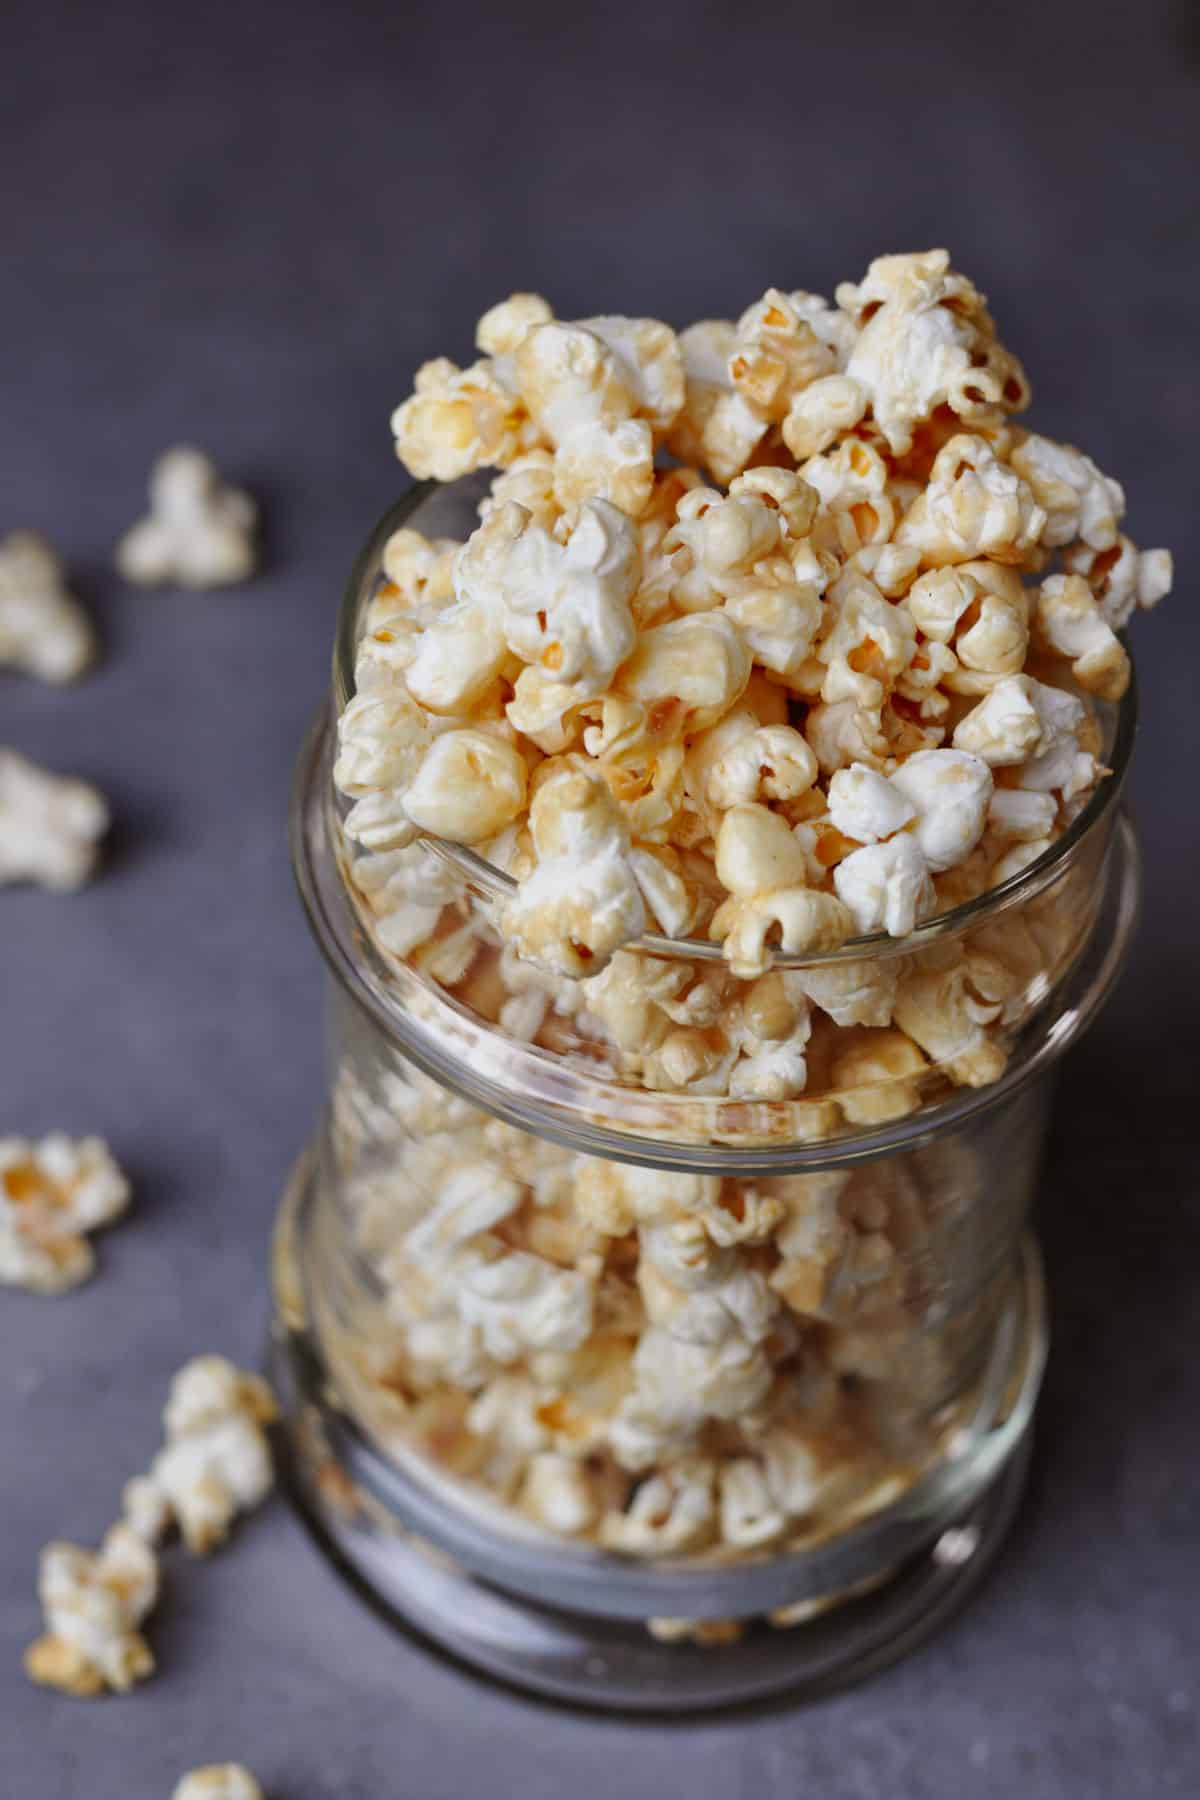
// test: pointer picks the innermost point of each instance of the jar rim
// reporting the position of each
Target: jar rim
(496, 886)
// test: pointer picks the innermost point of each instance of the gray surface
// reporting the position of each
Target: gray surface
(245, 229)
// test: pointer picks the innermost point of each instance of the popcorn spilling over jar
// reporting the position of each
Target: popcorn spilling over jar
(715, 840)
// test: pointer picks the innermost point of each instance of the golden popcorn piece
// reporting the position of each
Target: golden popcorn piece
(50, 825)
(52, 1193)
(93, 1603)
(218, 1781)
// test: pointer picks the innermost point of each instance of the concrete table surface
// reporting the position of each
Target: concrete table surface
(244, 227)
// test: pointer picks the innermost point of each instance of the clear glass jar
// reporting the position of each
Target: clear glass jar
(655, 1397)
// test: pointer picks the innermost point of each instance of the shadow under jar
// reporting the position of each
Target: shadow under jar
(656, 1399)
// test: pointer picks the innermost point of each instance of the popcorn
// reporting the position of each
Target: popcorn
(419, 568)
(557, 1493)
(199, 533)
(777, 354)
(218, 1781)
(1079, 502)
(701, 661)
(1122, 579)
(718, 428)
(822, 412)
(582, 901)
(670, 1514)
(749, 1517)
(469, 786)
(937, 1007)
(93, 1603)
(949, 791)
(877, 1077)
(886, 886)
(764, 868)
(1070, 623)
(459, 420)
(926, 340)
(42, 629)
(51, 1194)
(974, 505)
(1025, 722)
(50, 825)
(502, 327)
(866, 805)
(217, 1461)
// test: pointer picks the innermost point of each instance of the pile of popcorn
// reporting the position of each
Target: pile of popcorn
(779, 632)
(661, 1363)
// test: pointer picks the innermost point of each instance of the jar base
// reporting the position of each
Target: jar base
(612, 1664)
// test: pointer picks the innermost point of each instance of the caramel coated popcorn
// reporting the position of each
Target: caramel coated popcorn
(199, 532)
(218, 1781)
(860, 550)
(216, 1462)
(52, 1193)
(94, 1602)
(43, 630)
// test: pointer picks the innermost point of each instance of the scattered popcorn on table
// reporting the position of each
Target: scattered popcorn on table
(50, 825)
(217, 1460)
(43, 630)
(94, 1601)
(51, 1193)
(199, 533)
(218, 1781)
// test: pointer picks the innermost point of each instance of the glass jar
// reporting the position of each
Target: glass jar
(626, 1383)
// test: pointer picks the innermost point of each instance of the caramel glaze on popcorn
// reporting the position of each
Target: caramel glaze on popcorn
(778, 633)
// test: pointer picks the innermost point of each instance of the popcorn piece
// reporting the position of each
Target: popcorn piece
(42, 629)
(845, 733)
(764, 868)
(973, 506)
(1027, 722)
(926, 340)
(669, 1514)
(821, 413)
(93, 1603)
(701, 661)
(503, 327)
(616, 465)
(739, 761)
(564, 608)
(1069, 622)
(199, 533)
(852, 993)
(146, 1509)
(582, 901)
(420, 568)
(216, 1462)
(1006, 726)
(950, 791)
(777, 355)
(218, 1781)
(1079, 502)
(938, 1008)
(50, 825)
(866, 805)
(886, 887)
(470, 785)
(650, 361)
(51, 1194)
(749, 1517)
(458, 420)
(718, 428)
(1014, 813)
(876, 1077)
(1122, 579)
(869, 646)
(556, 1491)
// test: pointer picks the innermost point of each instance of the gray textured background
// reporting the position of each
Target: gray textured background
(245, 226)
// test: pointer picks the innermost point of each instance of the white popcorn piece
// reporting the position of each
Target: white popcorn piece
(216, 1461)
(701, 661)
(502, 328)
(777, 354)
(926, 340)
(949, 791)
(1123, 579)
(419, 568)
(718, 428)
(563, 608)
(844, 733)
(43, 630)
(1007, 724)
(470, 785)
(519, 1302)
(582, 901)
(218, 1781)
(749, 1516)
(1079, 502)
(1039, 727)
(51, 1193)
(673, 1512)
(1016, 813)
(973, 506)
(867, 806)
(50, 825)
(869, 645)
(1069, 622)
(886, 886)
(557, 1493)
(852, 993)
(199, 532)
(93, 1602)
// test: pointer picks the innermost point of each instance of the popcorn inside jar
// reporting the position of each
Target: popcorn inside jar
(726, 807)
